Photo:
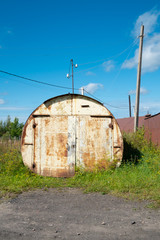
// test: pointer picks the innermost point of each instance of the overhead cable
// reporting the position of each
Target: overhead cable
(29, 79)
(58, 86)
(104, 102)
(121, 66)
(114, 56)
(130, 47)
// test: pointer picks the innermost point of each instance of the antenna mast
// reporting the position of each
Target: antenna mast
(72, 75)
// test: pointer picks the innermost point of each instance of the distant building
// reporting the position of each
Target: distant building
(150, 122)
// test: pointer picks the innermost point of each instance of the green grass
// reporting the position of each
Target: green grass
(138, 177)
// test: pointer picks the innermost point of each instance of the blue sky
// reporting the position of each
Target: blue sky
(38, 38)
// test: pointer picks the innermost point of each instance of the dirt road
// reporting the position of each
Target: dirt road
(70, 214)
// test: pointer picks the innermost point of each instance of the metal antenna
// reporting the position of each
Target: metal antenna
(72, 75)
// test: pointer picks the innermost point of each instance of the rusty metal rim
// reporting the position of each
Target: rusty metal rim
(70, 94)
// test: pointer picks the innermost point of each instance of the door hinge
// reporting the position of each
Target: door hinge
(111, 126)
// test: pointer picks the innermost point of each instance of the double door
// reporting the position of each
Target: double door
(63, 142)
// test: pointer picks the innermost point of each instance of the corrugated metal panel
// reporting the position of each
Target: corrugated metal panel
(62, 133)
(127, 124)
(151, 124)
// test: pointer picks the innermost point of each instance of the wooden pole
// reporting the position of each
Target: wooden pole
(129, 98)
(138, 79)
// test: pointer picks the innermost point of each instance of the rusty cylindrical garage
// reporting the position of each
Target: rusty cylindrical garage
(67, 131)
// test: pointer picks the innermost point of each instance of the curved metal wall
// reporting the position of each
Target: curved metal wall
(67, 131)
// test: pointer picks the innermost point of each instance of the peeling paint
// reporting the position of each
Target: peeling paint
(66, 135)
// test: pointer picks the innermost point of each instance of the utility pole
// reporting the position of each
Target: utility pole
(138, 80)
(68, 74)
(72, 77)
(129, 98)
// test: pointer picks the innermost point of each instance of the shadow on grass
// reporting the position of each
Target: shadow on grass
(130, 153)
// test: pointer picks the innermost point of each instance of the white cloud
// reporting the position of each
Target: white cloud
(92, 87)
(132, 92)
(89, 73)
(150, 56)
(151, 107)
(151, 47)
(2, 101)
(108, 66)
(149, 20)
(142, 91)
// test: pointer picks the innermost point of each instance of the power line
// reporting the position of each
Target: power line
(122, 64)
(105, 102)
(130, 47)
(114, 56)
(36, 81)
(58, 86)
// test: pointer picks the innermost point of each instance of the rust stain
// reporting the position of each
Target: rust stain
(102, 164)
(58, 172)
(61, 146)
(116, 151)
(49, 145)
(47, 172)
(107, 133)
(24, 130)
(89, 160)
(59, 107)
(49, 107)
(65, 173)
(47, 121)
(96, 136)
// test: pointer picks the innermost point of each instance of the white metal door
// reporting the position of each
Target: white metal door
(54, 146)
(93, 140)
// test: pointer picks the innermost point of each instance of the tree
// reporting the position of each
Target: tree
(16, 128)
(7, 125)
(2, 128)
(9, 129)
